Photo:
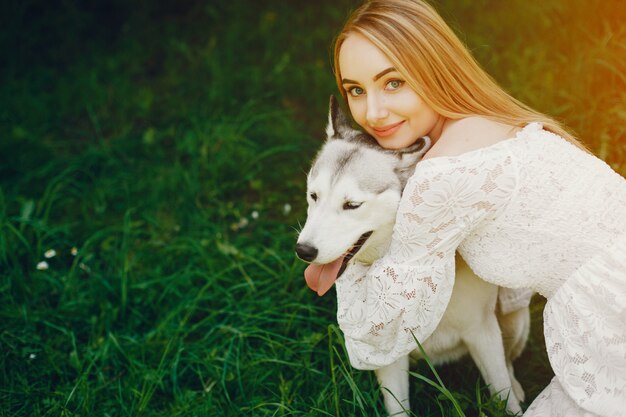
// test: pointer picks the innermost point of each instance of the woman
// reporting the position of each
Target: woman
(506, 186)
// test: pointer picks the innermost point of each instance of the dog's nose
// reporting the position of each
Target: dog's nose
(306, 252)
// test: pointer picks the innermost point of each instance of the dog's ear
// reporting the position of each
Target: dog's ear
(409, 157)
(338, 124)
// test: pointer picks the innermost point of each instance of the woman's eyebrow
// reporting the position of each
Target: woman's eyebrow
(383, 72)
(376, 77)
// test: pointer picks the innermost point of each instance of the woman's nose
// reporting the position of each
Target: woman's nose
(376, 110)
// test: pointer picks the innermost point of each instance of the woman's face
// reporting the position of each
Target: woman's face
(380, 100)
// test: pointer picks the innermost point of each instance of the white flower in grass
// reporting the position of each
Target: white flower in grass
(32, 356)
(286, 209)
(50, 253)
(42, 266)
(74, 251)
(243, 222)
(254, 215)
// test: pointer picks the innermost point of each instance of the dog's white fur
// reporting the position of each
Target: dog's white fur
(349, 168)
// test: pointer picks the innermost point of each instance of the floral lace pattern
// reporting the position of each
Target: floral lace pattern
(406, 292)
(554, 402)
(529, 212)
(585, 330)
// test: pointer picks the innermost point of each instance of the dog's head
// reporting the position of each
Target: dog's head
(353, 190)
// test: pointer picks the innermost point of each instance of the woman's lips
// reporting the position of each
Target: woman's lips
(387, 130)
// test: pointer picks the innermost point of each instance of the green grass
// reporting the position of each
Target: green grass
(168, 144)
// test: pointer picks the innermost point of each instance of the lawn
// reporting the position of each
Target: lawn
(152, 174)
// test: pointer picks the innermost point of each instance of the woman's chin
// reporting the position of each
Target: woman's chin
(394, 143)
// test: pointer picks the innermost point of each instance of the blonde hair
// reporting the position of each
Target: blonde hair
(436, 64)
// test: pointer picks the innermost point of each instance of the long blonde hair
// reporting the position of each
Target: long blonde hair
(436, 64)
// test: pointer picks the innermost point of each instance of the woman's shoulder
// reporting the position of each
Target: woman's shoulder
(469, 134)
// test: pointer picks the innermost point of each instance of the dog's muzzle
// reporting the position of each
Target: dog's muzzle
(306, 252)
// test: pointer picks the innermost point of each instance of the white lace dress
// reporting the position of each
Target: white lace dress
(532, 212)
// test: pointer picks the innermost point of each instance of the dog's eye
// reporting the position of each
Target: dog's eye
(313, 196)
(351, 205)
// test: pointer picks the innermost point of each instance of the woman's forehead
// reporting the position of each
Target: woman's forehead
(359, 58)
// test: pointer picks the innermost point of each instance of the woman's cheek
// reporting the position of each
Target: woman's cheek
(358, 110)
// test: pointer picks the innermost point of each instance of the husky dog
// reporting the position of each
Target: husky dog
(353, 190)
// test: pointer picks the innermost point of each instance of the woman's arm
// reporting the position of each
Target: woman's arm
(404, 294)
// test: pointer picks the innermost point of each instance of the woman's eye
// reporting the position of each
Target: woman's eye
(351, 205)
(355, 91)
(394, 84)
(313, 196)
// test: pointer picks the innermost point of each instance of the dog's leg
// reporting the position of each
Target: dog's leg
(515, 329)
(487, 351)
(394, 382)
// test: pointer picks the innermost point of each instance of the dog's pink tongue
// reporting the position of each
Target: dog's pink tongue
(320, 278)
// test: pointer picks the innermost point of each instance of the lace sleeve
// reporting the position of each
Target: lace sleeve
(406, 292)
